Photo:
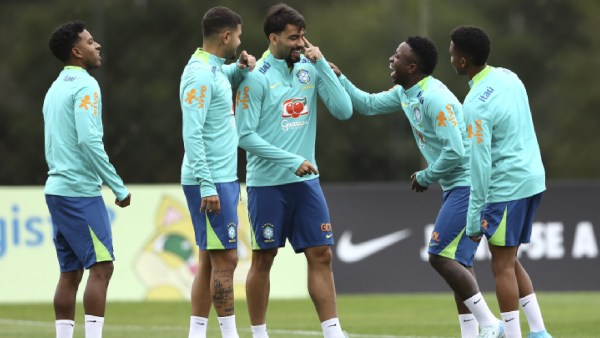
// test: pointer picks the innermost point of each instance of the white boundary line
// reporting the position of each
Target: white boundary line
(171, 328)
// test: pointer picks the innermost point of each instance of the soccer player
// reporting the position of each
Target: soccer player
(78, 166)
(507, 174)
(437, 121)
(209, 168)
(276, 113)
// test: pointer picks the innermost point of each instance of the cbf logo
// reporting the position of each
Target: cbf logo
(294, 107)
(231, 232)
(303, 76)
(268, 233)
(417, 114)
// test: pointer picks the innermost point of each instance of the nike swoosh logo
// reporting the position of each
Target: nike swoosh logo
(275, 85)
(477, 301)
(509, 320)
(524, 305)
(467, 320)
(348, 252)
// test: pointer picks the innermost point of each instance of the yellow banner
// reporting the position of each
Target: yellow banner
(145, 267)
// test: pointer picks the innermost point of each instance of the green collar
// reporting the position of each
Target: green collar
(480, 76)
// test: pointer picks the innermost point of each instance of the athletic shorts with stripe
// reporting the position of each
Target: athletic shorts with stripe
(509, 223)
(81, 231)
(297, 212)
(449, 238)
(212, 231)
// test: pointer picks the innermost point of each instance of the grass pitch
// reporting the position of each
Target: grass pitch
(362, 316)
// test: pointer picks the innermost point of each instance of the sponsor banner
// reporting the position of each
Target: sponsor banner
(382, 232)
(155, 250)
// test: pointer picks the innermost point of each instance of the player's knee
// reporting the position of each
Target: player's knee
(263, 259)
(102, 270)
(319, 255)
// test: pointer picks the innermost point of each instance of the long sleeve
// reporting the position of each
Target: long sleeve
(446, 127)
(89, 139)
(234, 74)
(331, 92)
(372, 104)
(479, 132)
(194, 106)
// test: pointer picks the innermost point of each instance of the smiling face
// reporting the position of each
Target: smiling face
(288, 44)
(403, 65)
(86, 52)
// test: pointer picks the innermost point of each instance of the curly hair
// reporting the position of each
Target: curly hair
(281, 15)
(426, 53)
(472, 42)
(64, 38)
(218, 19)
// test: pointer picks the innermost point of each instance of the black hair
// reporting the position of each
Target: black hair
(281, 15)
(64, 38)
(426, 53)
(218, 19)
(473, 42)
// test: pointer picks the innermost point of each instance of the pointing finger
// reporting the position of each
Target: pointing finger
(308, 44)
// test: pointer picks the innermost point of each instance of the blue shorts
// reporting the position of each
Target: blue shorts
(81, 231)
(509, 223)
(297, 212)
(448, 238)
(215, 232)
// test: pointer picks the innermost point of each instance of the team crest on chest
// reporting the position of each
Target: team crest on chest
(303, 76)
(417, 114)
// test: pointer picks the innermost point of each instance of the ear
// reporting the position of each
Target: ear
(76, 53)
(272, 38)
(225, 37)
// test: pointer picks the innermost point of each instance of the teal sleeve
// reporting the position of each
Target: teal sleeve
(479, 132)
(372, 104)
(234, 74)
(89, 139)
(447, 131)
(196, 99)
(331, 92)
(247, 114)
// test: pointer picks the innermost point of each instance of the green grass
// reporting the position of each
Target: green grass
(392, 316)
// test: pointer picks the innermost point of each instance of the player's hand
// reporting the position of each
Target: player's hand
(306, 168)
(211, 204)
(476, 238)
(246, 61)
(125, 202)
(335, 69)
(415, 185)
(313, 53)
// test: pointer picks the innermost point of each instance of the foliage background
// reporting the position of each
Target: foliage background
(553, 45)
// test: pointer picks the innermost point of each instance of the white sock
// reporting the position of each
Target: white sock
(64, 328)
(469, 327)
(512, 325)
(533, 313)
(332, 328)
(259, 331)
(228, 328)
(198, 327)
(93, 326)
(481, 311)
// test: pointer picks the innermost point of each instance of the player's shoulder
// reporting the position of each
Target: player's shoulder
(437, 93)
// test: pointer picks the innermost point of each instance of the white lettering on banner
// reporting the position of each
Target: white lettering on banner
(547, 242)
(584, 243)
(19, 230)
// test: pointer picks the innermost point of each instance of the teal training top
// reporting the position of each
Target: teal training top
(506, 164)
(276, 114)
(437, 121)
(77, 161)
(209, 133)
